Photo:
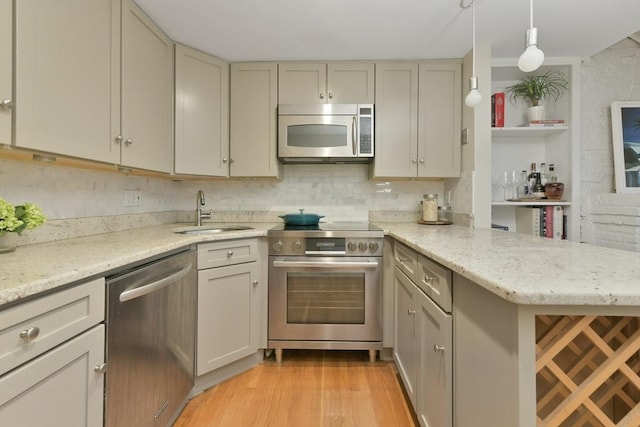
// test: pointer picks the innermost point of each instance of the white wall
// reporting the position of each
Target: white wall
(608, 218)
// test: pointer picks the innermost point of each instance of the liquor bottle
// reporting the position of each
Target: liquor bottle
(544, 178)
(532, 177)
(552, 173)
(538, 188)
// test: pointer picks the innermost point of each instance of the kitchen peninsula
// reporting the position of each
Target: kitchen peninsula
(523, 308)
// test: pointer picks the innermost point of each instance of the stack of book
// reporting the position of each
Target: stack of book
(543, 221)
(497, 110)
(547, 123)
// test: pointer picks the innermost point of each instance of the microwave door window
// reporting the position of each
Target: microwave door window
(317, 136)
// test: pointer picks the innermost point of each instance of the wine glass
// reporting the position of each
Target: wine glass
(495, 187)
(505, 182)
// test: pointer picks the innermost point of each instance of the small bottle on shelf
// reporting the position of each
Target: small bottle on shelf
(544, 178)
(523, 185)
(552, 173)
(532, 177)
(538, 188)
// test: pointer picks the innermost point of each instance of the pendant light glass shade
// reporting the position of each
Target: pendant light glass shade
(474, 97)
(532, 58)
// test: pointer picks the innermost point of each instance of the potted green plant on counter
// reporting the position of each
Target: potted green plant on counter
(536, 89)
(14, 220)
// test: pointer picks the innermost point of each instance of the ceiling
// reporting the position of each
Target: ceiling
(257, 30)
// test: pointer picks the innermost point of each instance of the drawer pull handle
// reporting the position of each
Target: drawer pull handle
(438, 348)
(428, 279)
(30, 334)
(100, 369)
(229, 254)
(411, 312)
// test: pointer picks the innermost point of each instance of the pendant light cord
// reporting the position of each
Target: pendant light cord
(473, 15)
(530, 13)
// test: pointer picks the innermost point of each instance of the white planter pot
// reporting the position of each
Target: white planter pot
(535, 113)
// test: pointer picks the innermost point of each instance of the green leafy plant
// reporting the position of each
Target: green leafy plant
(534, 89)
(16, 219)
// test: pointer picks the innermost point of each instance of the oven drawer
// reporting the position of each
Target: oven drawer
(407, 260)
(218, 254)
(435, 281)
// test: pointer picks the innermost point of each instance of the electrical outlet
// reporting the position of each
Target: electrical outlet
(131, 198)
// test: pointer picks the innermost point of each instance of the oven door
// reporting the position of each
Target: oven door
(325, 298)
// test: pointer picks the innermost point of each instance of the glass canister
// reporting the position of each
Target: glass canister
(430, 207)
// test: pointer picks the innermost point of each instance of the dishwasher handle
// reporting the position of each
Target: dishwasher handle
(154, 286)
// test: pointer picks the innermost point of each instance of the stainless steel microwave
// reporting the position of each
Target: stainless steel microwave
(325, 133)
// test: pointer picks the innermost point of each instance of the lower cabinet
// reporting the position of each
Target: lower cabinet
(423, 344)
(229, 307)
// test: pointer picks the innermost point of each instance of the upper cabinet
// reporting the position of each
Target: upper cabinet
(67, 81)
(6, 74)
(201, 114)
(335, 83)
(516, 145)
(254, 104)
(147, 92)
(418, 120)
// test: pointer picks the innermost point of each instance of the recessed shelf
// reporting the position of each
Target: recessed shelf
(525, 131)
(533, 203)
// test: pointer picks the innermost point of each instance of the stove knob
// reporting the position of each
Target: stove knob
(277, 246)
(362, 246)
(373, 247)
(297, 246)
(352, 246)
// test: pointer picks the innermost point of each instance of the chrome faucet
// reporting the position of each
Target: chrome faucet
(199, 203)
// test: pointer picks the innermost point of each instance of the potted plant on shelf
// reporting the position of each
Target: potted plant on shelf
(14, 220)
(535, 89)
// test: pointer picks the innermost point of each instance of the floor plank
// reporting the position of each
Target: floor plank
(309, 389)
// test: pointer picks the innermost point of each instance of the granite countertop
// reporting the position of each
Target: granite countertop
(529, 270)
(516, 267)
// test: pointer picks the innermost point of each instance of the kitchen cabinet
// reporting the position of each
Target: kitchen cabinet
(50, 344)
(515, 146)
(418, 120)
(6, 71)
(67, 77)
(423, 347)
(333, 83)
(201, 113)
(146, 132)
(254, 119)
(229, 303)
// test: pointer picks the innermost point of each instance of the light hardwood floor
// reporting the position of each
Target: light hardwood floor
(309, 389)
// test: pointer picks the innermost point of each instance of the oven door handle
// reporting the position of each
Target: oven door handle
(326, 264)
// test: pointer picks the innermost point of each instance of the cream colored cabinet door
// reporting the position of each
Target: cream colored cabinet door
(396, 126)
(59, 388)
(201, 113)
(147, 92)
(405, 336)
(228, 315)
(67, 77)
(302, 83)
(6, 70)
(439, 122)
(434, 395)
(254, 118)
(351, 83)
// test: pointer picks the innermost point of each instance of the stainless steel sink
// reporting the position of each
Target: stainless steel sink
(211, 229)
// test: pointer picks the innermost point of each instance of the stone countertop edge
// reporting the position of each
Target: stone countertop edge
(518, 268)
(529, 270)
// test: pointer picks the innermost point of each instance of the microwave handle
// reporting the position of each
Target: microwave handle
(354, 135)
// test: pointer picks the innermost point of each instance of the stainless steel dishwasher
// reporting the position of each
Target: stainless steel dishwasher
(150, 341)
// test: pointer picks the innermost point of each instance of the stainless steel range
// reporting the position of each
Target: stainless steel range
(325, 286)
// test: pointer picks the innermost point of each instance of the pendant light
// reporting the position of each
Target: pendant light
(532, 57)
(473, 98)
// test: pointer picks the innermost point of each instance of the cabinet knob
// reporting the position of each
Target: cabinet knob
(229, 254)
(414, 160)
(6, 103)
(255, 283)
(118, 139)
(411, 312)
(421, 160)
(321, 95)
(330, 95)
(438, 348)
(30, 334)
(128, 141)
(225, 160)
(231, 160)
(100, 369)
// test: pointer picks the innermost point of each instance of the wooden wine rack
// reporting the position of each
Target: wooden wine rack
(588, 371)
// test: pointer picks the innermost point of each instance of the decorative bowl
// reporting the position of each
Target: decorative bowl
(554, 190)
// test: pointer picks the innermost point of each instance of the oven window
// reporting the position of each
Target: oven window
(317, 135)
(328, 298)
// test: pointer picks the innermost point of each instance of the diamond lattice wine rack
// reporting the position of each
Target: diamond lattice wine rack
(588, 371)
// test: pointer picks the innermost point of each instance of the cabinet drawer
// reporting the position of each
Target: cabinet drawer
(50, 321)
(407, 260)
(218, 254)
(435, 281)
